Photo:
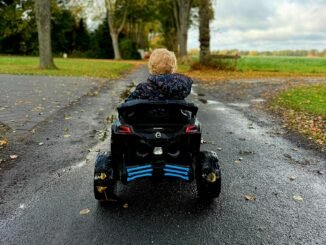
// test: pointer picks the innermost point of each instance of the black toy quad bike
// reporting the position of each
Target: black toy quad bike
(156, 139)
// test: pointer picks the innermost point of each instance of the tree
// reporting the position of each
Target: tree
(43, 21)
(205, 15)
(116, 15)
(181, 10)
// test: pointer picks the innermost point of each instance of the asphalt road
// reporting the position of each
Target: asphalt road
(50, 184)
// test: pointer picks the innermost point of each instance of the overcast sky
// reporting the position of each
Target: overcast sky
(266, 25)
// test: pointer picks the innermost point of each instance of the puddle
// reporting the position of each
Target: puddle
(220, 108)
(259, 100)
(213, 102)
(241, 105)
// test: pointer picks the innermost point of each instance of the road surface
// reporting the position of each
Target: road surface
(44, 191)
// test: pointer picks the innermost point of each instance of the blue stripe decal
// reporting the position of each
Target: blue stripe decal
(177, 175)
(176, 167)
(140, 172)
(139, 167)
(139, 176)
(176, 171)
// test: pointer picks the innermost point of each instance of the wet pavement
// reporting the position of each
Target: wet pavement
(287, 184)
(27, 100)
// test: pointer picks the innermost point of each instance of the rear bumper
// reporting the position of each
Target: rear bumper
(158, 171)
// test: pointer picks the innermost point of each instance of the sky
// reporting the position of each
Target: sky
(266, 25)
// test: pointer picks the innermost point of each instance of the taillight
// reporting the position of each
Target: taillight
(122, 129)
(191, 129)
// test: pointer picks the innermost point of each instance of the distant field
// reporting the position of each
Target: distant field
(67, 67)
(282, 64)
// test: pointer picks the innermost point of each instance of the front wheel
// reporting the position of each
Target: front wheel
(104, 182)
(208, 175)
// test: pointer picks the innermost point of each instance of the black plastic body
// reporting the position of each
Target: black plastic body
(160, 125)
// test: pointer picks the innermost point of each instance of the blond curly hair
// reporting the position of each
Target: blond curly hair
(162, 61)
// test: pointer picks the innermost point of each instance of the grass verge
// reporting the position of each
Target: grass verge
(304, 110)
(67, 67)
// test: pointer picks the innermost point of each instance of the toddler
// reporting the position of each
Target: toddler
(162, 82)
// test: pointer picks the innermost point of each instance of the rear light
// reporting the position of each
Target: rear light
(191, 129)
(122, 129)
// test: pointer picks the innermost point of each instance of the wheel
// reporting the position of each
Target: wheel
(208, 175)
(104, 183)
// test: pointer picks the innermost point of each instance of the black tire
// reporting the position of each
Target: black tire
(207, 163)
(104, 178)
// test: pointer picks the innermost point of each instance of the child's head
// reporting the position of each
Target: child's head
(162, 61)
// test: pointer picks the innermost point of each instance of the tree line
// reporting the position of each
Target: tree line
(33, 27)
(300, 52)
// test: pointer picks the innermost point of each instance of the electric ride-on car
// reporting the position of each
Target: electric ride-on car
(156, 139)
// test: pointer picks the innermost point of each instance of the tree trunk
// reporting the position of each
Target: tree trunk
(116, 23)
(181, 9)
(204, 35)
(115, 43)
(43, 21)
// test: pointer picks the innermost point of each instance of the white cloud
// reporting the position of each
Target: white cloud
(278, 24)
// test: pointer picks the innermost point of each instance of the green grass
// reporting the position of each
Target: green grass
(303, 65)
(310, 99)
(66, 67)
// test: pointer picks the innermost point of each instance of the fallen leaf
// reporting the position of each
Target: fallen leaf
(3, 142)
(298, 198)
(237, 161)
(287, 156)
(321, 172)
(84, 211)
(292, 178)
(41, 143)
(240, 158)
(250, 197)
(66, 135)
(219, 148)
(68, 118)
(245, 152)
(13, 157)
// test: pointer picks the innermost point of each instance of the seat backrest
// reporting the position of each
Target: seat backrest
(157, 112)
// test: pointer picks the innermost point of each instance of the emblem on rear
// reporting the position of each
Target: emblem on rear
(158, 135)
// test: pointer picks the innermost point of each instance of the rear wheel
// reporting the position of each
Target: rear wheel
(104, 183)
(208, 175)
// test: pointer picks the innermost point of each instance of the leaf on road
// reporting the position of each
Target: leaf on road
(292, 178)
(41, 143)
(237, 161)
(84, 211)
(250, 197)
(298, 198)
(67, 118)
(3, 142)
(287, 156)
(244, 152)
(219, 148)
(66, 135)
(13, 157)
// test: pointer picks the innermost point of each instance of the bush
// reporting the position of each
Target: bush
(219, 62)
(128, 50)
